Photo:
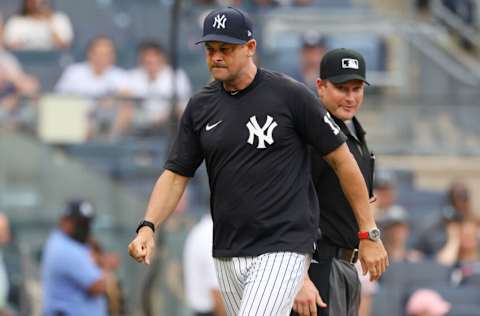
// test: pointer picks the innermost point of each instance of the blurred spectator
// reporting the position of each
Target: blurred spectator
(386, 195)
(153, 82)
(38, 27)
(302, 3)
(73, 284)
(97, 76)
(436, 238)
(458, 202)
(109, 263)
(201, 285)
(4, 286)
(461, 251)
(368, 290)
(312, 51)
(395, 233)
(426, 302)
(14, 83)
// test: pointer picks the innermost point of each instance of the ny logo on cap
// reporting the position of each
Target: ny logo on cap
(349, 63)
(219, 21)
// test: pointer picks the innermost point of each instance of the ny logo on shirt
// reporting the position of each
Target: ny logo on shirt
(219, 21)
(256, 130)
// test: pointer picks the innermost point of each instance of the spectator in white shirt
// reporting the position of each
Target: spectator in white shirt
(38, 27)
(201, 285)
(153, 83)
(97, 76)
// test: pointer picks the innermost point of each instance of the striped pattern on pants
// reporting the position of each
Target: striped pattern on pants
(264, 285)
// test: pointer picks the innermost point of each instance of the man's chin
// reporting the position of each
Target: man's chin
(219, 73)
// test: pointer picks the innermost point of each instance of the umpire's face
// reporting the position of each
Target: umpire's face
(342, 100)
(227, 62)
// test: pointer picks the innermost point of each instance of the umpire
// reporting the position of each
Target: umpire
(341, 90)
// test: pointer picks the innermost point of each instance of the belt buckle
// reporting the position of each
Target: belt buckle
(354, 257)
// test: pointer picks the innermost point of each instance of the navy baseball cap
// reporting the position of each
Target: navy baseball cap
(227, 25)
(80, 210)
(342, 65)
(312, 39)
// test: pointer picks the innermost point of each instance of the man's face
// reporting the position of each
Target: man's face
(226, 61)
(312, 57)
(342, 100)
(152, 61)
(101, 54)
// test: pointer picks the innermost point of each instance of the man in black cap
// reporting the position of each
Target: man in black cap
(343, 238)
(72, 282)
(252, 127)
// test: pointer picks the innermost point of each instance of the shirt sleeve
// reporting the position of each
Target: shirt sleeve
(82, 270)
(12, 31)
(186, 154)
(65, 82)
(314, 123)
(63, 27)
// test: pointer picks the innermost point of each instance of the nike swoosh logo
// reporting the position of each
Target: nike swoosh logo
(210, 127)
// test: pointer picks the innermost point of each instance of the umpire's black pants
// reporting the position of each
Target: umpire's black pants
(337, 281)
(203, 314)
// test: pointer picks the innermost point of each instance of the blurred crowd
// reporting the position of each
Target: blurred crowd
(450, 240)
(142, 100)
(444, 251)
(125, 101)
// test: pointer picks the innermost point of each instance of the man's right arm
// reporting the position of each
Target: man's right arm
(166, 193)
(98, 287)
(373, 256)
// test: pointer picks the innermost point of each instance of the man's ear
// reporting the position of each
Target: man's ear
(252, 47)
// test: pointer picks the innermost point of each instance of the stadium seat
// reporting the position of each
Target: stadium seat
(45, 65)
(388, 301)
(464, 310)
(408, 275)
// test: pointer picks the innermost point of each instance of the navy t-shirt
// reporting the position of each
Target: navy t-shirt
(254, 143)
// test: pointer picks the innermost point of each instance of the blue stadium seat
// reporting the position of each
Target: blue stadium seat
(409, 275)
(388, 301)
(45, 65)
(464, 310)
(460, 295)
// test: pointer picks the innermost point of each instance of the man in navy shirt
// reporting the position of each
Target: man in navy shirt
(252, 127)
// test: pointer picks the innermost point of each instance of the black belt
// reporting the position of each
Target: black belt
(326, 249)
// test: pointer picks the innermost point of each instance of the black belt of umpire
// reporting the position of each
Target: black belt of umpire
(326, 249)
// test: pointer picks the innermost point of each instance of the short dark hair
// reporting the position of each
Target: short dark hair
(24, 10)
(99, 38)
(151, 44)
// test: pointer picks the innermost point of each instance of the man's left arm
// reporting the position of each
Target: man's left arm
(373, 256)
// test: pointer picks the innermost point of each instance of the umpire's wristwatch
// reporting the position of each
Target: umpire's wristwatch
(372, 234)
(145, 223)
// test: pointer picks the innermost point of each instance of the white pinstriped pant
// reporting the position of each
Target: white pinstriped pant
(264, 285)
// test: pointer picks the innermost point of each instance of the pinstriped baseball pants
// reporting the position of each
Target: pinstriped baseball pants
(264, 285)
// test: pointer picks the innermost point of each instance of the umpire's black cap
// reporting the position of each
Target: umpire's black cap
(79, 210)
(227, 25)
(342, 65)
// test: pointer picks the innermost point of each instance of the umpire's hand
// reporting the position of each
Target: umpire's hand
(141, 248)
(373, 257)
(307, 299)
